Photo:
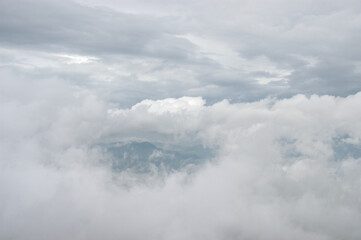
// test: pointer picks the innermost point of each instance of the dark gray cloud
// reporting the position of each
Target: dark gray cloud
(64, 26)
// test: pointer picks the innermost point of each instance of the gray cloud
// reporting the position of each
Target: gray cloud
(263, 95)
(65, 26)
(188, 48)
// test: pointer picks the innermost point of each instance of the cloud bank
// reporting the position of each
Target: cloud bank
(274, 174)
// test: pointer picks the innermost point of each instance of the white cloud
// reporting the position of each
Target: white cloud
(273, 176)
(77, 59)
(231, 60)
(78, 76)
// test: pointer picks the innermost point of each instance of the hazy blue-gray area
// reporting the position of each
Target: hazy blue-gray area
(146, 157)
(344, 150)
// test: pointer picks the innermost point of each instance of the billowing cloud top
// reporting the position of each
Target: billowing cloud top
(180, 120)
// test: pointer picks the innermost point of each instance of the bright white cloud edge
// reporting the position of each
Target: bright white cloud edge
(274, 176)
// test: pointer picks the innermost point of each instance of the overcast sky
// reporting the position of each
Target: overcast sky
(270, 87)
(237, 50)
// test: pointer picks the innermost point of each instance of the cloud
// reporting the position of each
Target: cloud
(273, 176)
(265, 93)
(239, 50)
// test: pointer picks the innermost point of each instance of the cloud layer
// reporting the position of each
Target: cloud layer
(244, 113)
(238, 50)
(274, 174)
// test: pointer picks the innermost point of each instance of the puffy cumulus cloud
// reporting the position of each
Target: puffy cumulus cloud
(274, 175)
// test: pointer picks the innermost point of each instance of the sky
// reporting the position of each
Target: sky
(182, 119)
